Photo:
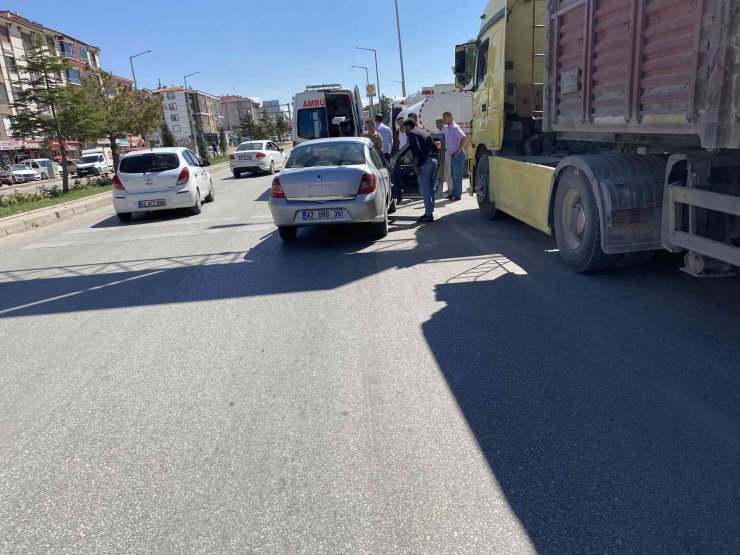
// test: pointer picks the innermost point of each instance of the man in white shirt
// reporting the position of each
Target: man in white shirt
(399, 137)
(442, 128)
(387, 135)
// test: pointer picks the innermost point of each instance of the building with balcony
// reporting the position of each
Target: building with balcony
(235, 108)
(16, 35)
(184, 110)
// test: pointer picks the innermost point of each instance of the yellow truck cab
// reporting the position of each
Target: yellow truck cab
(613, 125)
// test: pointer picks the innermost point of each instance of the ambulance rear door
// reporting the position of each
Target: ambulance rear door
(310, 116)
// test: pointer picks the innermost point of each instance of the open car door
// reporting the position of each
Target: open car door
(357, 102)
(403, 178)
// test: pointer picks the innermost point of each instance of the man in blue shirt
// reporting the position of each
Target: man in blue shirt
(387, 135)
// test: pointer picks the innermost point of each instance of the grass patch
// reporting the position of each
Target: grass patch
(44, 197)
(218, 159)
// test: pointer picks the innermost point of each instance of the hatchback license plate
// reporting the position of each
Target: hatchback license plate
(152, 203)
(332, 214)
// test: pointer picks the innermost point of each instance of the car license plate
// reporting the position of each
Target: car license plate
(332, 214)
(152, 203)
(245, 157)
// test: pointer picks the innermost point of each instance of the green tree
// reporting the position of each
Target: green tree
(251, 129)
(120, 109)
(282, 125)
(223, 142)
(45, 108)
(200, 141)
(267, 122)
(165, 134)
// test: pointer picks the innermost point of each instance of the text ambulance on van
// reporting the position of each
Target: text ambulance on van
(323, 111)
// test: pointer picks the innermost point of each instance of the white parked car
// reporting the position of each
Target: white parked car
(161, 179)
(44, 167)
(256, 156)
(20, 173)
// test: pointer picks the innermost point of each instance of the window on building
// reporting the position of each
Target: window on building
(170, 96)
(4, 34)
(93, 60)
(51, 45)
(83, 55)
(27, 40)
(172, 106)
(68, 49)
(174, 117)
(73, 76)
(176, 128)
(17, 90)
(10, 64)
(4, 94)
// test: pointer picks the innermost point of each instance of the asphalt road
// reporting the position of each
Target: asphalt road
(187, 384)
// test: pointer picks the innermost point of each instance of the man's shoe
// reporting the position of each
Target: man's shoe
(425, 219)
(456, 198)
(450, 197)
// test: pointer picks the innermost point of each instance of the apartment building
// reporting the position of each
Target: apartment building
(183, 111)
(235, 108)
(16, 35)
(272, 106)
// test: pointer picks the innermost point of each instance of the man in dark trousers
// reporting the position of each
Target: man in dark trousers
(425, 165)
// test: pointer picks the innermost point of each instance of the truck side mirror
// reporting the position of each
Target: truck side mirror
(463, 65)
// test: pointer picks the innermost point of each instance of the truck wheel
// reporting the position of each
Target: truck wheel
(483, 189)
(578, 227)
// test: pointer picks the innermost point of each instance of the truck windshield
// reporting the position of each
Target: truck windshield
(312, 123)
(90, 159)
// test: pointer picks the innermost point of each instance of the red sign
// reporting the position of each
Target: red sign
(318, 103)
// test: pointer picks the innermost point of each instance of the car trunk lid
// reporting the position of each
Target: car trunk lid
(325, 183)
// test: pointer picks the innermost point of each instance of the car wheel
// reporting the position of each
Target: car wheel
(578, 226)
(15, 180)
(288, 233)
(381, 229)
(197, 207)
(97, 171)
(271, 171)
(124, 216)
(211, 194)
(44, 176)
(483, 189)
(237, 174)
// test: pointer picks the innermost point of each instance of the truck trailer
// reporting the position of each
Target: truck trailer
(612, 124)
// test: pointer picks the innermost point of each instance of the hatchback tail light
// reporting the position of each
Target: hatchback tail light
(117, 183)
(232, 157)
(184, 176)
(277, 189)
(260, 155)
(368, 184)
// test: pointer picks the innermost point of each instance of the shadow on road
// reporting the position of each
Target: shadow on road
(606, 406)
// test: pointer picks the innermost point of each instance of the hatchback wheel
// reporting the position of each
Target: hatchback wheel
(271, 171)
(237, 174)
(197, 207)
(211, 194)
(124, 216)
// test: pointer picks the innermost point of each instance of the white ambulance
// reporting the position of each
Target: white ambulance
(323, 111)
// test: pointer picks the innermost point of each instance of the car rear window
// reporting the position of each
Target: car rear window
(150, 162)
(250, 146)
(333, 154)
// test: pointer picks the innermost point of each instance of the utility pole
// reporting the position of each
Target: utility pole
(367, 81)
(187, 107)
(377, 76)
(400, 51)
(131, 61)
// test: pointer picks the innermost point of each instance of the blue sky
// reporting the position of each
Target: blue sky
(266, 49)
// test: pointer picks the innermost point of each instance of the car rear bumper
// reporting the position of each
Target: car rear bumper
(250, 165)
(362, 209)
(123, 201)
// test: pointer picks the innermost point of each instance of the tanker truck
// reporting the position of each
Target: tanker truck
(612, 124)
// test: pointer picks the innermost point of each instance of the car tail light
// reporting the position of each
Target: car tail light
(260, 155)
(277, 189)
(368, 184)
(184, 176)
(232, 157)
(117, 183)
(295, 143)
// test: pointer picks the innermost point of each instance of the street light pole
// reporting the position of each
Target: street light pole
(187, 107)
(400, 51)
(131, 61)
(367, 81)
(377, 76)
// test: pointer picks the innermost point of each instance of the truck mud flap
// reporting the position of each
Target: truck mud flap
(629, 191)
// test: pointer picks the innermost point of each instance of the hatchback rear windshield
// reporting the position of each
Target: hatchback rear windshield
(152, 162)
(334, 154)
(250, 146)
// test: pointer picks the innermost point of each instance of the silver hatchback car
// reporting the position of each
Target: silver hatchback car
(332, 181)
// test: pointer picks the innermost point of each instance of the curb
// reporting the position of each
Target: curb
(46, 216)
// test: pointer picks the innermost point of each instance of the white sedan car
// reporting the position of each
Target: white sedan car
(161, 179)
(256, 156)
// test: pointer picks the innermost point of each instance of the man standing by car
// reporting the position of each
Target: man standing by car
(455, 139)
(425, 165)
(387, 135)
(399, 137)
(442, 128)
(373, 135)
